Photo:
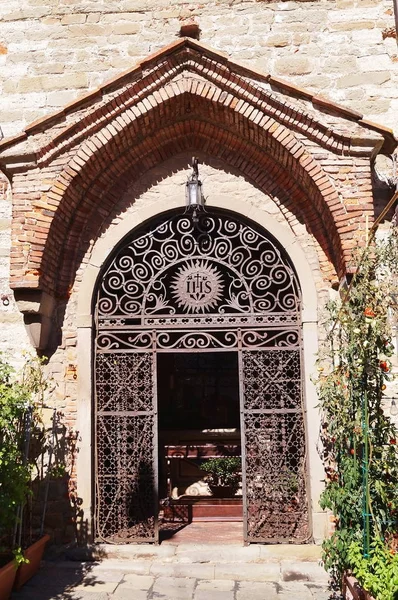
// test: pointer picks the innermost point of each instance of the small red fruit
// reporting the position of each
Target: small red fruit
(368, 312)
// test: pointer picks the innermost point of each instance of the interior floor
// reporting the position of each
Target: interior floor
(202, 533)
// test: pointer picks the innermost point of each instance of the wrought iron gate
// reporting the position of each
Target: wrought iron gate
(275, 500)
(219, 286)
(126, 447)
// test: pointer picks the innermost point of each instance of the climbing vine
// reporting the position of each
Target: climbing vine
(358, 440)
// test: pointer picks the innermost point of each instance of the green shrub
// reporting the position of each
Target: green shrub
(19, 421)
(223, 471)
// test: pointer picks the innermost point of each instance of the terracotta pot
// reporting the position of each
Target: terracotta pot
(34, 554)
(7, 577)
(353, 591)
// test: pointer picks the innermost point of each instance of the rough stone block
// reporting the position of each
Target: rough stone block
(293, 65)
(125, 28)
(72, 19)
(375, 63)
(278, 40)
(353, 79)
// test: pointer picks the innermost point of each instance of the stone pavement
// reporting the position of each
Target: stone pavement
(184, 572)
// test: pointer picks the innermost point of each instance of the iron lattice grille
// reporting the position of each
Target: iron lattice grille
(173, 288)
(126, 441)
(274, 446)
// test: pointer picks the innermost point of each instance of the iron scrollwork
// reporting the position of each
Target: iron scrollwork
(167, 272)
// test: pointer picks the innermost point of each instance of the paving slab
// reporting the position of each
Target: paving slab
(222, 585)
(174, 588)
(320, 592)
(298, 591)
(214, 595)
(102, 573)
(256, 591)
(137, 582)
(223, 589)
(96, 585)
(123, 594)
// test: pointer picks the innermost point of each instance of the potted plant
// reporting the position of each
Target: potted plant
(19, 427)
(223, 475)
(14, 474)
(376, 576)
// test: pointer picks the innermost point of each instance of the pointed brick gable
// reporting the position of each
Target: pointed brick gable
(69, 169)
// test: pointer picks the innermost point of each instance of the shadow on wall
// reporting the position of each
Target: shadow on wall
(53, 506)
(384, 184)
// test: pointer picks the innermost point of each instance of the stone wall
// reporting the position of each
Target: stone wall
(13, 337)
(53, 51)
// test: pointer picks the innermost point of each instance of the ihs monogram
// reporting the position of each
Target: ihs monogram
(197, 287)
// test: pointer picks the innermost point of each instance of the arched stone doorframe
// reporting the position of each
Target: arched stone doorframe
(84, 321)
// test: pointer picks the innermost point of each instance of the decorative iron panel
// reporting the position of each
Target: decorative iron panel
(174, 288)
(126, 449)
(227, 269)
(195, 340)
(275, 490)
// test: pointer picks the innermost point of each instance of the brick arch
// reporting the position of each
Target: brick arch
(263, 150)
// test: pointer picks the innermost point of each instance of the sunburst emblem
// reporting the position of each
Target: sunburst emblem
(197, 286)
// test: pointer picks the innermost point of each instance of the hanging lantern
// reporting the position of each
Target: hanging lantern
(194, 198)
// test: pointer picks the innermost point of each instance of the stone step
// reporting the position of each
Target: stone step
(256, 571)
(199, 553)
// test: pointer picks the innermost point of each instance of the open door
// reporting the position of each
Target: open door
(126, 447)
(274, 470)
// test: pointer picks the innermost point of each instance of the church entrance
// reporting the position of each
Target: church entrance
(199, 426)
(198, 357)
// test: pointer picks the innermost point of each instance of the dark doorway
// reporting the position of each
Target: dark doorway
(198, 391)
(199, 418)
